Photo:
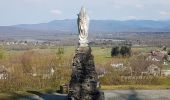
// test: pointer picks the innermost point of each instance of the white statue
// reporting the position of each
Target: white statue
(83, 27)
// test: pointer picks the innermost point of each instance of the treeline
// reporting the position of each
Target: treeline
(121, 51)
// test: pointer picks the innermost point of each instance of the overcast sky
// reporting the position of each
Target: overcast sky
(39, 11)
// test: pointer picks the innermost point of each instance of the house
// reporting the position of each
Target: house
(154, 58)
(152, 70)
(158, 56)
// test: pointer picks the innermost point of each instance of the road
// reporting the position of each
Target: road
(111, 95)
(137, 95)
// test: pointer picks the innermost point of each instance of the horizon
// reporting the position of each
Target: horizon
(41, 11)
(90, 20)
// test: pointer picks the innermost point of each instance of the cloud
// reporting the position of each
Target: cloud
(34, 1)
(56, 12)
(163, 13)
(164, 2)
(140, 6)
(131, 17)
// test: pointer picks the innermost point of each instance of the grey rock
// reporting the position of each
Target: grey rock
(84, 83)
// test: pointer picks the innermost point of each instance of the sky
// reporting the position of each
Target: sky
(14, 12)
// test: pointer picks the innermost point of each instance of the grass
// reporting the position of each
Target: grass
(144, 49)
(101, 56)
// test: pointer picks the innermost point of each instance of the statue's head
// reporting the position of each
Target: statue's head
(83, 13)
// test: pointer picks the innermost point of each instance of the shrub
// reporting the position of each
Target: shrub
(125, 51)
(115, 51)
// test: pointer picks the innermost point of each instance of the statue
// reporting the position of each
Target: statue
(84, 83)
(83, 26)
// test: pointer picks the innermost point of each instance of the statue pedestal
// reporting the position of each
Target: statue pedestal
(84, 84)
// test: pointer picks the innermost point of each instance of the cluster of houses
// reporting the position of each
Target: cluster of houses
(2, 42)
(160, 56)
(34, 43)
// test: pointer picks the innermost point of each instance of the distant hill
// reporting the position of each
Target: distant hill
(130, 26)
(96, 26)
(19, 33)
(102, 26)
(56, 25)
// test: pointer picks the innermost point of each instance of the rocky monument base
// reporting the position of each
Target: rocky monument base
(84, 84)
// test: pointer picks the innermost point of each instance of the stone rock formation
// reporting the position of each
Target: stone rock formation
(84, 84)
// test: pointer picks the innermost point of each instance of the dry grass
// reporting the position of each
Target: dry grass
(20, 64)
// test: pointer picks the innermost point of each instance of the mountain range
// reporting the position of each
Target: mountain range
(102, 26)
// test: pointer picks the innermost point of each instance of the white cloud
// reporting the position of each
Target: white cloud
(37, 0)
(163, 13)
(131, 17)
(164, 2)
(139, 6)
(34, 0)
(56, 12)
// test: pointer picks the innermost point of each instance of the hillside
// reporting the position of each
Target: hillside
(103, 26)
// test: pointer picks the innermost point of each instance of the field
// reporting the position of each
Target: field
(21, 62)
